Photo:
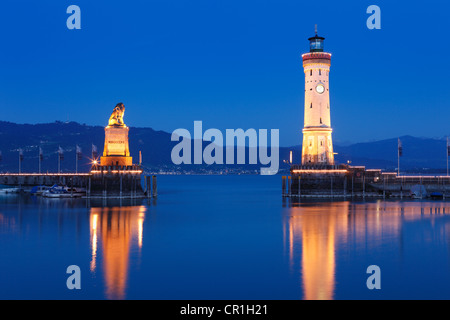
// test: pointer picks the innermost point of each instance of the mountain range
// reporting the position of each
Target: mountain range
(419, 154)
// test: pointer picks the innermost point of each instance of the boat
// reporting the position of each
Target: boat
(56, 192)
(418, 191)
(76, 192)
(10, 190)
(436, 196)
(38, 190)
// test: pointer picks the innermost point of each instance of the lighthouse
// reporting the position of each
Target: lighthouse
(317, 147)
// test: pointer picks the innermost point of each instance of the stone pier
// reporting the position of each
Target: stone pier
(343, 181)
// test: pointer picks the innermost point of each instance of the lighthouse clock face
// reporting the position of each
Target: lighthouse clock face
(320, 88)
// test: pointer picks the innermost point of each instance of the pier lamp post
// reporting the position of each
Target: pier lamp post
(60, 158)
(448, 152)
(20, 160)
(94, 163)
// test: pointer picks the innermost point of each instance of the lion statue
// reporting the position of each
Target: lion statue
(116, 118)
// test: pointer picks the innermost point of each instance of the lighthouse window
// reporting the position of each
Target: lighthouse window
(310, 106)
(320, 73)
(321, 123)
(310, 73)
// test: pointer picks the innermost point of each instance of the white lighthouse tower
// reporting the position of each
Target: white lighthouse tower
(317, 147)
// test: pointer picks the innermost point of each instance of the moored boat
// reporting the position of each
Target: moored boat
(76, 192)
(10, 190)
(418, 191)
(436, 196)
(63, 192)
(38, 190)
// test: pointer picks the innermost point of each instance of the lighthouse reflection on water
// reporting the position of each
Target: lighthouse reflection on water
(317, 234)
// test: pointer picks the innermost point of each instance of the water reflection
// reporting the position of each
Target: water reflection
(118, 228)
(7, 224)
(316, 232)
(112, 230)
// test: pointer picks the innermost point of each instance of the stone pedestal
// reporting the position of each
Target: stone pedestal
(116, 151)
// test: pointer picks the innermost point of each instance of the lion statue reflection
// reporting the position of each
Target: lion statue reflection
(116, 118)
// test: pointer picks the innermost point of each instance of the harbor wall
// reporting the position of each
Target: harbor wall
(347, 181)
(46, 179)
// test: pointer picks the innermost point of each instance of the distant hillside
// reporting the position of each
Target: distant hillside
(419, 154)
(156, 147)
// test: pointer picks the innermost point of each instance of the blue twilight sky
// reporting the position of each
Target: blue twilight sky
(231, 64)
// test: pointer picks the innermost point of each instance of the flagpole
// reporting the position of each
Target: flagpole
(59, 160)
(398, 158)
(76, 159)
(448, 154)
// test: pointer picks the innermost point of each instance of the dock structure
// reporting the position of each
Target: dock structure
(116, 182)
(101, 182)
(345, 181)
(44, 179)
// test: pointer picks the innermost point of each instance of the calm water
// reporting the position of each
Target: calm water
(223, 237)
